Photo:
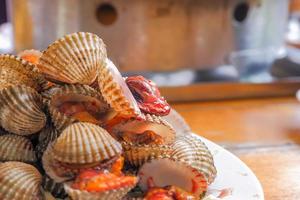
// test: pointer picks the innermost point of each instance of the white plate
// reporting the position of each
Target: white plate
(233, 176)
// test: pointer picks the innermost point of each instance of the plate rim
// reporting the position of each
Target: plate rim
(258, 183)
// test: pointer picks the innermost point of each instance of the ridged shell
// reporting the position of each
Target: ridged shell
(47, 94)
(177, 122)
(84, 195)
(75, 93)
(137, 154)
(192, 151)
(56, 189)
(116, 92)
(53, 168)
(167, 171)
(16, 148)
(75, 58)
(46, 136)
(16, 71)
(150, 122)
(21, 110)
(83, 143)
(19, 181)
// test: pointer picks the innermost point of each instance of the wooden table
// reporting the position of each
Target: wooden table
(264, 133)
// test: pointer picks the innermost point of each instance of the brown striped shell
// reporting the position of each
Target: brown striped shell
(47, 135)
(73, 93)
(21, 110)
(16, 148)
(85, 143)
(56, 189)
(75, 58)
(138, 154)
(116, 194)
(150, 123)
(19, 181)
(16, 71)
(47, 93)
(116, 92)
(192, 151)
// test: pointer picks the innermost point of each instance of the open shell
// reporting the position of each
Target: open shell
(192, 151)
(116, 92)
(73, 93)
(19, 181)
(21, 110)
(75, 58)
(16, 71)
(53, 168)
(85, 143)
(47, 93)
(137, 154)
(16, 148)
(166, 171)
(150, 123)
(56, 189)
(84, 195)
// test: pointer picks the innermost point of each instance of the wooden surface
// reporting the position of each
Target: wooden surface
(264, 133)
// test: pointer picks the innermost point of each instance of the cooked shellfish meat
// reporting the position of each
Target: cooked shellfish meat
(168, 193)
(92, 184)
(31, 55)
(151, 130)
(148, 96)
(73, 103)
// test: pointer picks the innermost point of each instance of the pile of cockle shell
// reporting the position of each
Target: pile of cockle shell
(73, 127)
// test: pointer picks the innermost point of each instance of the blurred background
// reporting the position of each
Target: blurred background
(186, 46)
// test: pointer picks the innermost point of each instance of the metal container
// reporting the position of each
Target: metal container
(156, 35)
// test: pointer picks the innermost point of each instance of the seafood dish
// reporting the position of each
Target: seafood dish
(72, 127)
